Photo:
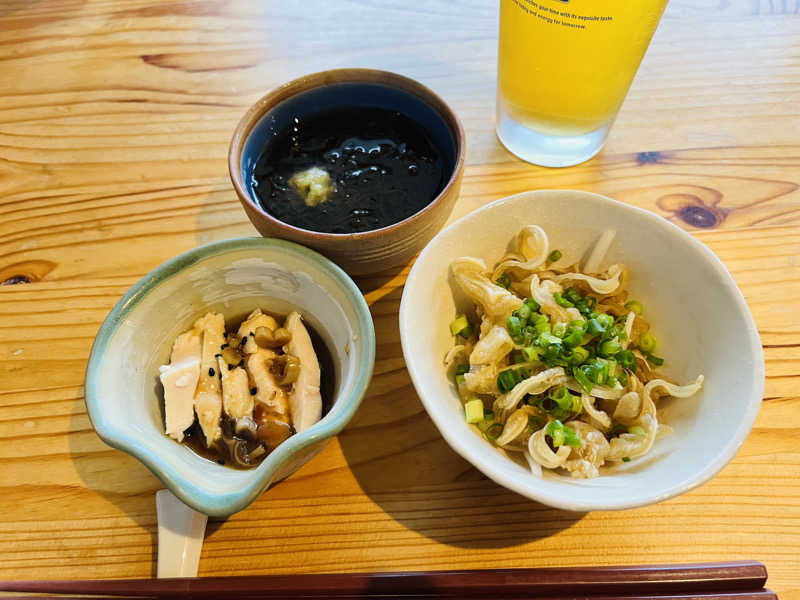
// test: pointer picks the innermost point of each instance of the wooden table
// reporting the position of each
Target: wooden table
(115, 117)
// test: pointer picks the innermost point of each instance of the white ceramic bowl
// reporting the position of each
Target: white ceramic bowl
(232, 277)
(695, 309)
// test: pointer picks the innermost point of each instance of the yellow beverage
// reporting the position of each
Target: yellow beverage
(564, 66)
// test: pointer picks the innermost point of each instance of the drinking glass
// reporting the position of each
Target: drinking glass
(564, 68)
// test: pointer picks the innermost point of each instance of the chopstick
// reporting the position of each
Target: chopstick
(741, 580)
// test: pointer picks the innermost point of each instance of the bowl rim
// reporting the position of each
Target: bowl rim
(333, 77)
(463, 445)
(215, 504)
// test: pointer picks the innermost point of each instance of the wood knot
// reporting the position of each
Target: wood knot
(15, 279)
(27, 271)
(644, 158)
(697, 207)
(698, 216)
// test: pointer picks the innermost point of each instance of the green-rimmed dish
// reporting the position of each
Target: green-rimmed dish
(123, 396)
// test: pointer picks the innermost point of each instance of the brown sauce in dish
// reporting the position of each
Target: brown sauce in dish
(222, 451)
(382, 166)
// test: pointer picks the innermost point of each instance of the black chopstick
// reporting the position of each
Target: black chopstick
(735, 581)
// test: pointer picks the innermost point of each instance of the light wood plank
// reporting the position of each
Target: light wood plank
(115, 116)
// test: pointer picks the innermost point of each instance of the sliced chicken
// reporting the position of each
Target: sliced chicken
(268, 392)
(305, 399)
(179, 379)
(208, 399)
(236, 399)
(255, 320)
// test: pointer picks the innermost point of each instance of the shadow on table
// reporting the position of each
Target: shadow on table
(402, 462)
(118, 479)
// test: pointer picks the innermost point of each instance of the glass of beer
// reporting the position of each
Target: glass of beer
(564, 68)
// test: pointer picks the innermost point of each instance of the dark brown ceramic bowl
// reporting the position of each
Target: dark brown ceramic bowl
(369, 251)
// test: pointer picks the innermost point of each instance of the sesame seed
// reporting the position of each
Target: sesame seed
(211, 372)
(223, 346)
(217, 355)
(230, 366)
(253, 391)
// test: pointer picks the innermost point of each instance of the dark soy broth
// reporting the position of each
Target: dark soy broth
(382, 163)
(218, 453)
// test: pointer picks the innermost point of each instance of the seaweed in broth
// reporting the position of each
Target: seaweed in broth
(382, 166)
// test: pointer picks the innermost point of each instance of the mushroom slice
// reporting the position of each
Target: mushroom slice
(208, 398)
(305, 398)
(236, 399)
(179, 379)
(268, 393)
(272, 428)
(255, 320)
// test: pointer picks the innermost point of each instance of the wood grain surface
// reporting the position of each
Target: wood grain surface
(115, 117)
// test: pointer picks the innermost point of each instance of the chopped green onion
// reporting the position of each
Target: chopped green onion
(605, 320)
(635, 307)
(546, 339)
(561, 301)
(509, 378)
(514, 326)
(586, 305)
(467, 331)
(593, 327)
(637, 430)
(504, 280)
(540, 322)
(523, 313)
(573, 295)
(529, 354)
(485, 424)
(573, 338)
(552, 356)
(627, 359)
(460, 380)
(561, 404)
(579, 354)
(655, 360)
(578, 325)
(529, 336)
(612, 332)
(554, 256)
(582, 379)
(532, 303)
(626, 459)
(560, 329)
(622, 378)
(462, 368)
(648, 342)
(488, 415)
(612, 381)
(473, 410)
(494, 431)
(562, 435)
(597, 371)
(609, 347)
(459, 324)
